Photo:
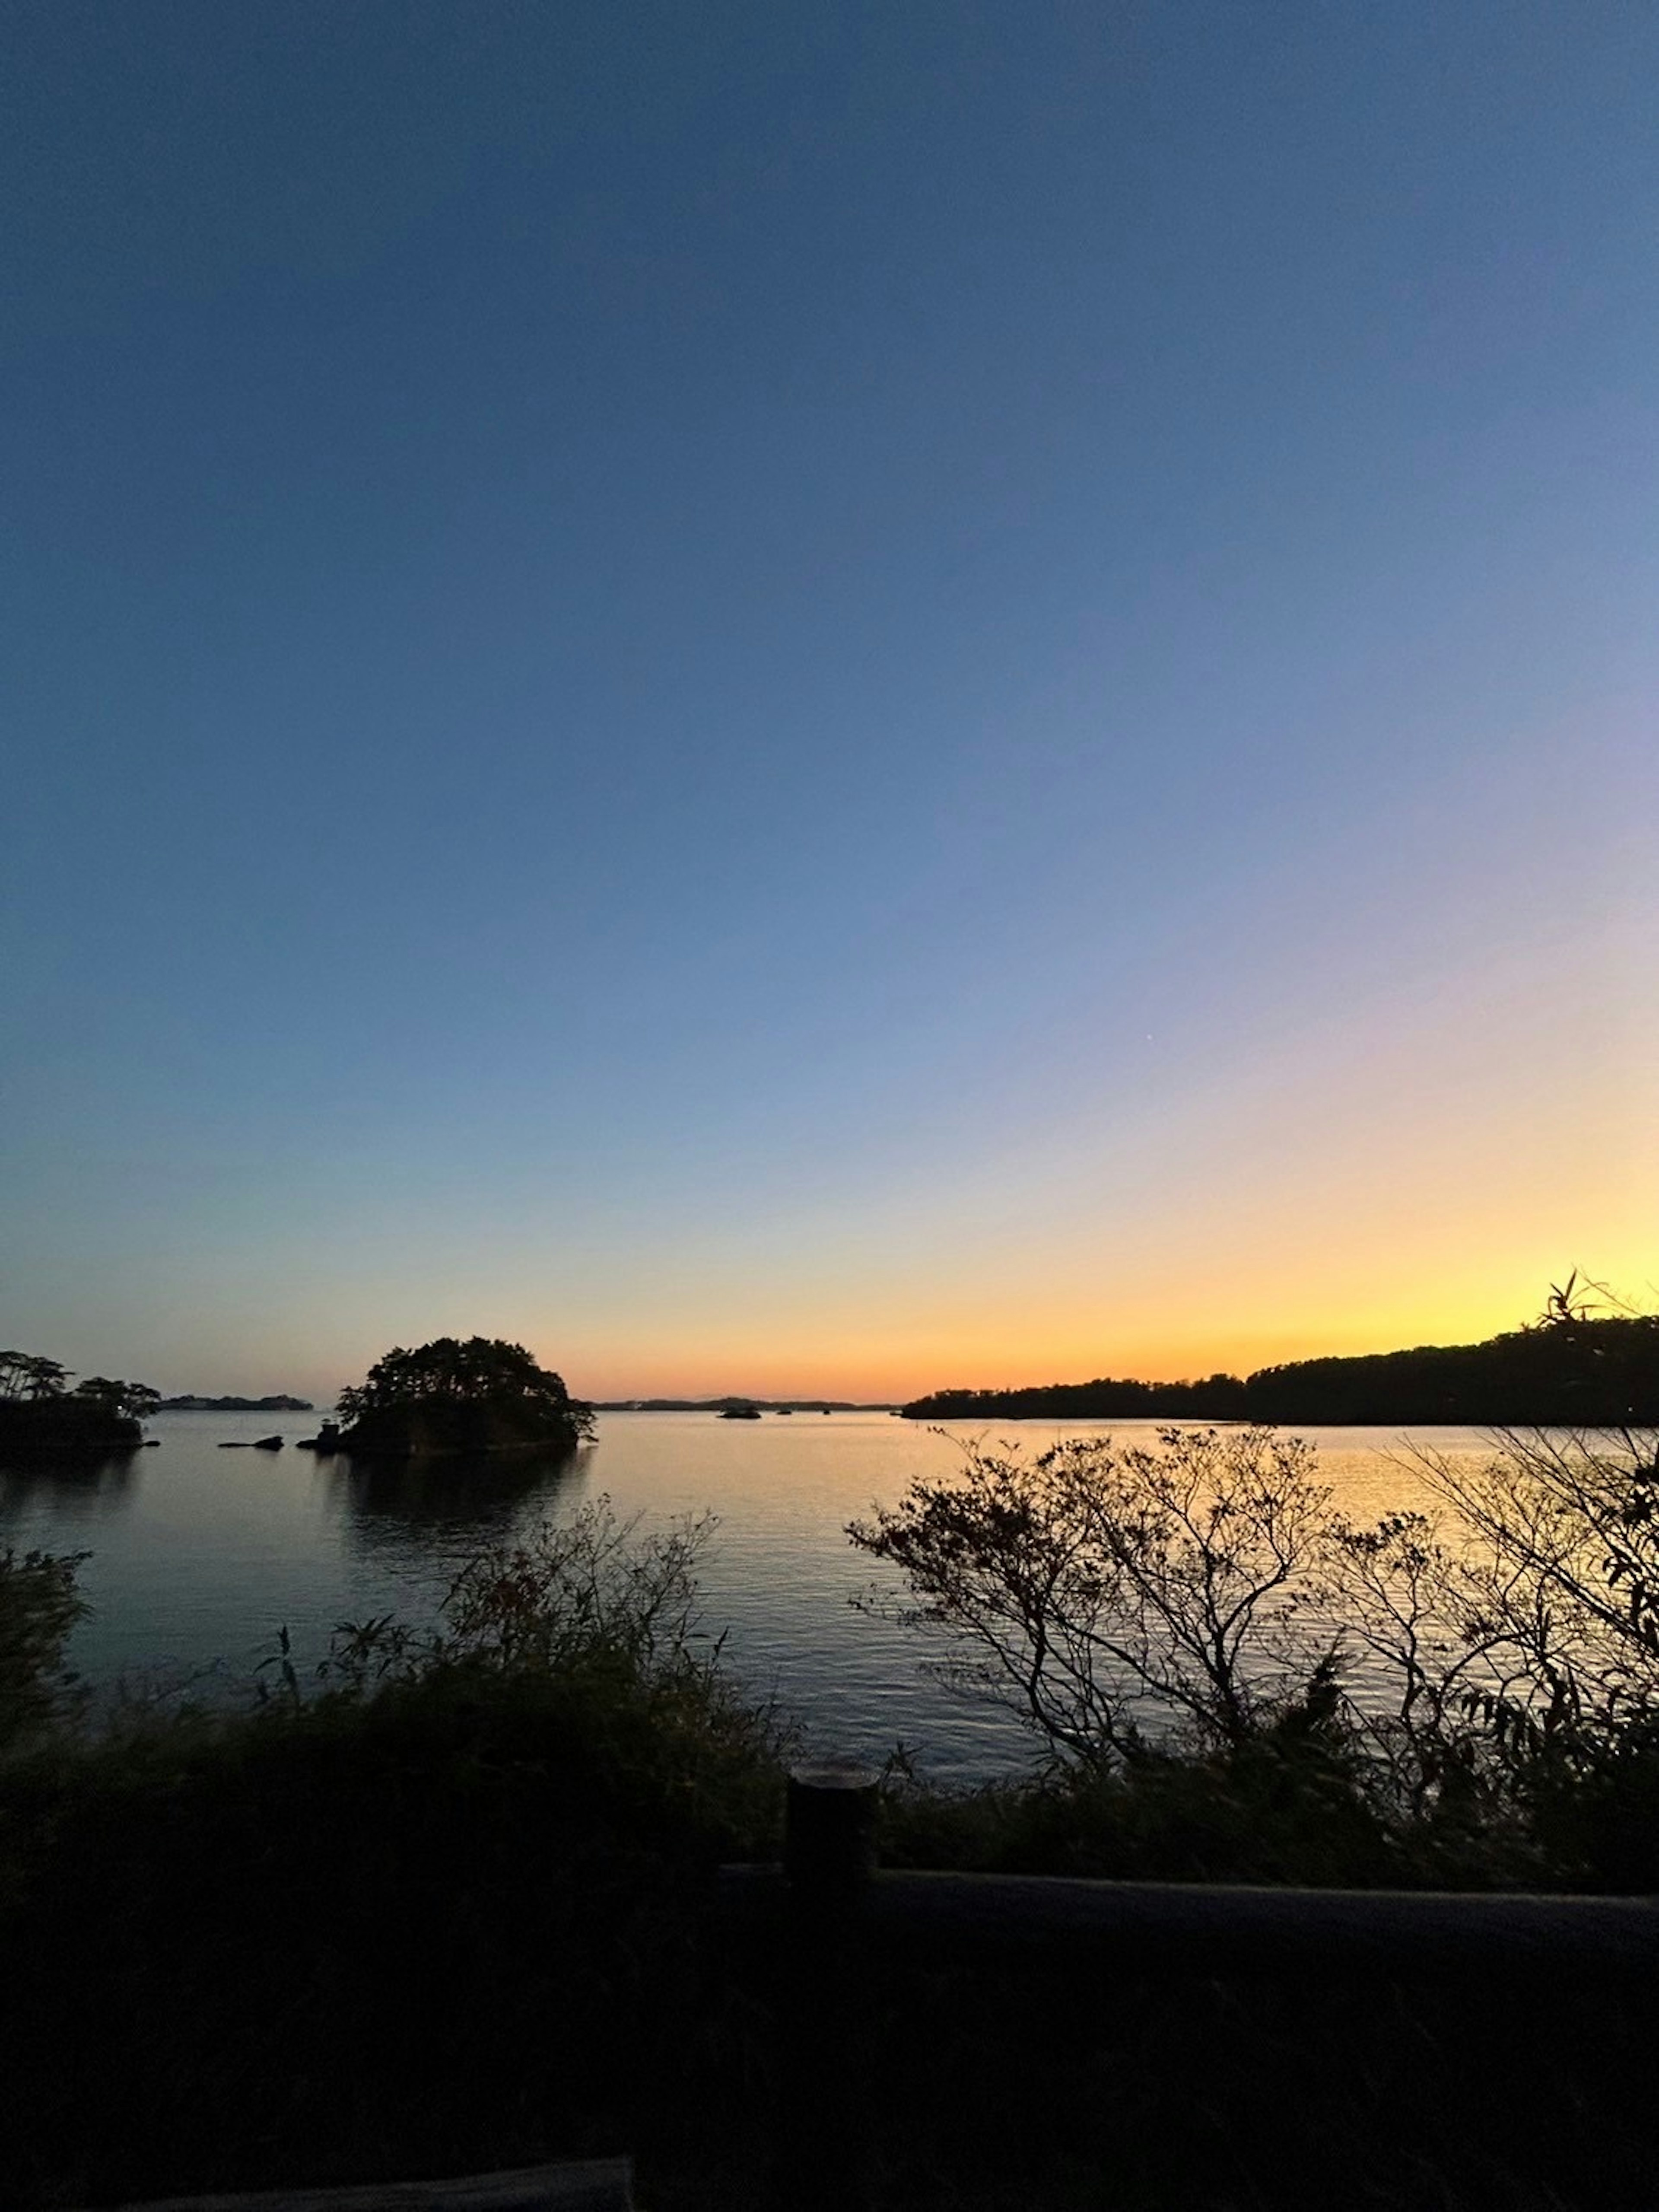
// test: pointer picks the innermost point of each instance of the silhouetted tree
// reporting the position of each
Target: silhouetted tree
(22, 1374)
(1105, 1592)
(1560, 1561)
(132, 1401)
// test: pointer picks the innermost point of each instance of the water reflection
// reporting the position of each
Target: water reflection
(386, 1504)
(79, 1487)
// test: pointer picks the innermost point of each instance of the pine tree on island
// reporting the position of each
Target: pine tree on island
(452, 1396)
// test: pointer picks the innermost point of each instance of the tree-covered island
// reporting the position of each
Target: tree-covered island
(39, 1411)
(452, 1396)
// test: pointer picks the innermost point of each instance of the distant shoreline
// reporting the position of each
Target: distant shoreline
(725, 1405)
(193, 1404)
(1570, 1372)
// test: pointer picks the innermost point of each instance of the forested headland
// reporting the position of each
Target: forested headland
(40, 1414)
(1569, 1371)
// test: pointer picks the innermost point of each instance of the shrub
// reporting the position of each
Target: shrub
(1560, 1574)
(1111, 1596)
(432, 1904)
(39, 1606)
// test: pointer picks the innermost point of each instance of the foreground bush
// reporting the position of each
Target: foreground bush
(1195, 1635)
(430, 1892)
(1105, 1592)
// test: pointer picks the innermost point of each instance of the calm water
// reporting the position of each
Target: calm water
(198, 1555)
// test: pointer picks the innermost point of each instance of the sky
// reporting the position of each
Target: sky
(828, 699)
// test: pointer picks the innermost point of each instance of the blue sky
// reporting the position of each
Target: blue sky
(835, 698)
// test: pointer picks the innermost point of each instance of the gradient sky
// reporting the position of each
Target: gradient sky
(824, 698)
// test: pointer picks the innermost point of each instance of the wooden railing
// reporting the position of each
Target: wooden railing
(830, 1876)
(837, 1920)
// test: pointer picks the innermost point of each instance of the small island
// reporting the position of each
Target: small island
(453, 1396)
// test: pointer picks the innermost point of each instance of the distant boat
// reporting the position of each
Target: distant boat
(740, 1413)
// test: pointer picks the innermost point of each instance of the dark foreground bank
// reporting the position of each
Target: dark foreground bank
(449, 1904)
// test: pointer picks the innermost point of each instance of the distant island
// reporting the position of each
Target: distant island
(1567, 1370)
(193, 1404)
(726, 1405)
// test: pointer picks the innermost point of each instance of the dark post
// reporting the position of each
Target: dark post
(829, 1854)
(830, 1833)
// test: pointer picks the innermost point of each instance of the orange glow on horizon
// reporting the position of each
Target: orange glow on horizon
(847, 1365)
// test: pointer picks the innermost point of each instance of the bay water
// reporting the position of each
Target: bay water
(198, 1556)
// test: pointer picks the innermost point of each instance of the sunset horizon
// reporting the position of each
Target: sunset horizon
(947, 1355)
(826, 709)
